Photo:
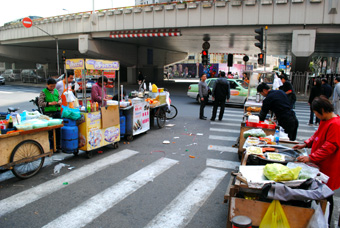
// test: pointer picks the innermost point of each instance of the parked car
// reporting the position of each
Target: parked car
(2, 80)
(11, 75)
(30, 75)
(238, 90)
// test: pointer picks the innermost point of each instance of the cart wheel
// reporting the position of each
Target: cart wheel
(129, 138)
(89, 154)
(76, 153)
(25, 150)
(116, 145)
(171, 113)
(161, 118)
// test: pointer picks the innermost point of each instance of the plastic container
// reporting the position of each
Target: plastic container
(241, 222)
(53, 122)
(111, 102)
(40, 124)
(122, 125)
(261, 124)
(24, 127)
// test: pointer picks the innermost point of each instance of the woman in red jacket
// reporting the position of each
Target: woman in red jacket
(325, 144)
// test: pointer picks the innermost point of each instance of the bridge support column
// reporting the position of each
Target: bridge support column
(303, 44)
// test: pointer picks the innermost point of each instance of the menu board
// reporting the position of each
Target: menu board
(141, 117)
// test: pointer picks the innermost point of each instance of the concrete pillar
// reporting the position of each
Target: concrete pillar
(303, 44)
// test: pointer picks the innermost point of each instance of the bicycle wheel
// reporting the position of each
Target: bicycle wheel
(26, 150)
(161, 118)
(171, 113)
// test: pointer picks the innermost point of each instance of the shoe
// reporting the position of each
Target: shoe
(202, 118)
(212, 119)
(220, 119)
(309, 124)
(316, 124)
(205, 117)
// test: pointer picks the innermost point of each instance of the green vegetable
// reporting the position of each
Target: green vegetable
(279, 172)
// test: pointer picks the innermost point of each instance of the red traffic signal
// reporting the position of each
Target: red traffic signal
(205, 58)
(260, 58)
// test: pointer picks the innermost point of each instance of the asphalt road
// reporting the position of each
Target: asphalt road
(144, 183)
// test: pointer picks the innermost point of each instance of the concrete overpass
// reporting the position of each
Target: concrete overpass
(149, 37)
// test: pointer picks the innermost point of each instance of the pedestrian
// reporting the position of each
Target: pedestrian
(288, 89)
(62, 87)
(277, 82)
(315, 92)
(326, 89)
(325, 144)
(203, 90)
(336, 96)
(140, 78)
(50, 102)
(277, 101)
(220, 92)
(98, 92)
(245, 77)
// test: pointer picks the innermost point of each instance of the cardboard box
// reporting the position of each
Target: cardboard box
(110, 116)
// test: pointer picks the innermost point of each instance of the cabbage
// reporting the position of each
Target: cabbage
(279, 172)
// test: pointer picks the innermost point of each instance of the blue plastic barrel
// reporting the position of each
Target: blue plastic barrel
(69, 136)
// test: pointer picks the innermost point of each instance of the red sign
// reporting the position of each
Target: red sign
(110, 74)
(27, 22)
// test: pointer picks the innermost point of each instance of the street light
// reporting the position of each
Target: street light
(27, 22)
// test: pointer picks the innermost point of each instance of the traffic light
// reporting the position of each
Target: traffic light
(259, 38)
(205, 58)
(63, 57)
(260, 58)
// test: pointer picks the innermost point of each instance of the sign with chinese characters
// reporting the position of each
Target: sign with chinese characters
(98, 64)
(74, 64)
(141, 118)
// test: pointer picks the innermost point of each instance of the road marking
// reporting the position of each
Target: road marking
(225, 130)
(21, 199)
(232, 111)
(183, 208)
(98, 204)
(223, 148)
(306, 131)
(225, 124)
(224, 138)
(6, 92)
(217, 163)
(232, 115)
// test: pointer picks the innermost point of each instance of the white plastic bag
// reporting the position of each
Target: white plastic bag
(69, 96)
(318, 220)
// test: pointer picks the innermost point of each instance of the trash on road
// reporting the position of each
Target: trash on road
(58, 167)
(65, 183)
(170, 125)
(190, 156)
(200, 134)
(176, 137)
(166, 142)
(70, 168)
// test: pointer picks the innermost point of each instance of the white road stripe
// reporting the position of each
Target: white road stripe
(224, 138)
(6, 92)
(225, 124)
(232, 111)
(225, 130)
(223, 148)
(306, 131)
(183, 208)
(233, 115)
(224, 164)
(98, 204)
(21, 199)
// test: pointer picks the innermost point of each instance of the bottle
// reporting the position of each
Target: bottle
(257, 97)
(97, 106)
(10, 122)
(88, 106)
(277, 136)
(150, 87)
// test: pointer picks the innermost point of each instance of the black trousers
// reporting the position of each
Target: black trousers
(290, 125)
(55, 115)
(311, 117)
(202, 106)
(218, 103)
(331, 205)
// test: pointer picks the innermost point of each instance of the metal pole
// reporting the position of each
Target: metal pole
(58, 67)
(265, 48)
(93, 6)
(118, 88)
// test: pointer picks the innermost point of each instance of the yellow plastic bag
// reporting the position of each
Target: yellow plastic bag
(154, 88)
(275, 217)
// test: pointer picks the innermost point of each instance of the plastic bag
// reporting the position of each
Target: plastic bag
(306, 171)
(254, 133)
(279, 172)
(70, 113)
(318, 220)
(275, 217)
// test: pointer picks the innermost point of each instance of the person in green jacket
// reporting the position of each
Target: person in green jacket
(50, 103)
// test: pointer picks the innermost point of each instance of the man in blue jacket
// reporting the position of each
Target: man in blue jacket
(221, 92)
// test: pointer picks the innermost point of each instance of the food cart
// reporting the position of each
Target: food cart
(100, 127)
(24, 152)
(246, 193)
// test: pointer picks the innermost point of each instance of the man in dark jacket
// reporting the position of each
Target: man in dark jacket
(277, 102)
(220, 93)
(326, 89)
(288, 89)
